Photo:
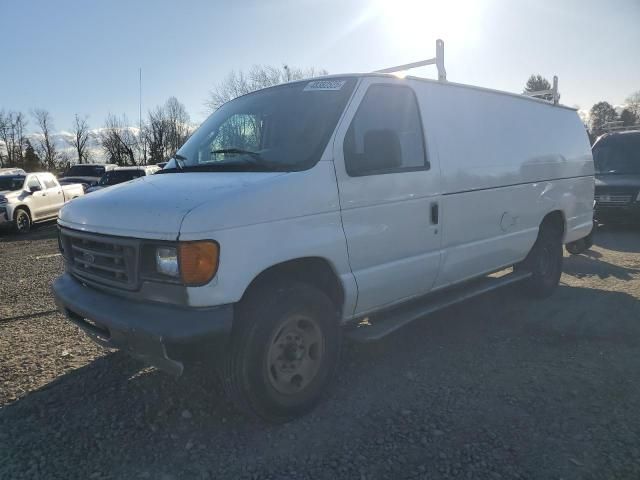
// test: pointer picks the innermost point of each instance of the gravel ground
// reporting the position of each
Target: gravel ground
(499, 387)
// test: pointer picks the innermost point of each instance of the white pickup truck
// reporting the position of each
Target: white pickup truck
(27, 198)
(349, 204)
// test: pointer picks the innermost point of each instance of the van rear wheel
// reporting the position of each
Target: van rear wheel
(284, 351)
(544, 261)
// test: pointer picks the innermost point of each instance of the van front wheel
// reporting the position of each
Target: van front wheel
(283, 353)
(544, 261)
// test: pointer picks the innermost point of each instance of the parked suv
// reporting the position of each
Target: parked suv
(122, 174)
(87, 174)
(617, 163)
(298, 213)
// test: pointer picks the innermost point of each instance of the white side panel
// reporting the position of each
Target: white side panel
(506, 162)
(486, 139)
(488, 229)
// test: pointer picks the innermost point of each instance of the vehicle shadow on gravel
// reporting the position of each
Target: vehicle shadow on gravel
(114, 408)
(39, 231)
(620, 238)
(586, 265)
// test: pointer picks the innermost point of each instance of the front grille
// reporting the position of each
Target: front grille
(101, 259)
(606, 199)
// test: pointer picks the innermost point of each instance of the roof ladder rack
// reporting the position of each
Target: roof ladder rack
(553, 92)
(438, 61)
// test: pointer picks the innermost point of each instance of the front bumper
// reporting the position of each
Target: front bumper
(143, 329)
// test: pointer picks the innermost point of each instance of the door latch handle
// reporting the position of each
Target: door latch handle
(434, 213)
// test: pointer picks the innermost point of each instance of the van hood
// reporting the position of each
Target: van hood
(155, 206)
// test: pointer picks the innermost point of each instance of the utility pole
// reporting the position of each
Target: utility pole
(140, 139)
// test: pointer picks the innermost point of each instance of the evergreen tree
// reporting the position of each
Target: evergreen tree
(31, 159)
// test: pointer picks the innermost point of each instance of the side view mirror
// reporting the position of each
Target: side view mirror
(34, 189)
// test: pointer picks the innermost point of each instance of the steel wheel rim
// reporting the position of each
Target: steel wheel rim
(22, 221)
(295, 354)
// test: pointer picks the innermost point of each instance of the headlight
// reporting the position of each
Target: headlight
(194, 263)
(167, 261)
(3, 201)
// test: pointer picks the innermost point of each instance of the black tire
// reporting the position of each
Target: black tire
(21, 221)
(582, 245)
(544, 261)
(577, 247)
(256, 381)
(589, 238)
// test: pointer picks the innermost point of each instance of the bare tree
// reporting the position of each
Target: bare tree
(166, 130)
(628, 118)
(155, 135)
(81, 138)
(178, 123)
(119, 141)
(45, 146)
(12, 134)
(633, 103)
(3, 146)
(258, 76)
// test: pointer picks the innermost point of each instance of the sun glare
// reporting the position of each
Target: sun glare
(413, 25)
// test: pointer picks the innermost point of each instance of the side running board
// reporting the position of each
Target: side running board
(382, 324)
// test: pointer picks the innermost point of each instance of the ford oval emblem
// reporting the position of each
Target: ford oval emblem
(87, 257)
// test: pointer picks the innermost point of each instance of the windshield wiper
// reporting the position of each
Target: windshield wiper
(239, 151)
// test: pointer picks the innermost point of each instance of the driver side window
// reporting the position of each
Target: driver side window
(49, 181)
(32, 181)
(385, 135)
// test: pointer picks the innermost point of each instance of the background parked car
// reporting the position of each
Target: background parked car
(87, 174)
(121, 175)
(617, 162)
(12, 171)
(33, 197)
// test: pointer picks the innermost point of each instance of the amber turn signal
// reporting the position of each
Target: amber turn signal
(198, 261)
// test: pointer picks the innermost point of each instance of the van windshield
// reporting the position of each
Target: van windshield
(619, 154)
(283, 128)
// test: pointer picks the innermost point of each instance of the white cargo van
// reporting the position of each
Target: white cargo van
(295, 212)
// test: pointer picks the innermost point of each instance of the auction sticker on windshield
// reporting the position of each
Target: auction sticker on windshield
(324, 85)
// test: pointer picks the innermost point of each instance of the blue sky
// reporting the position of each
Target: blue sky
(73, 56)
